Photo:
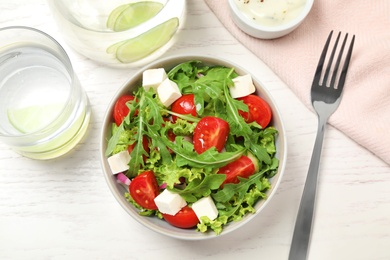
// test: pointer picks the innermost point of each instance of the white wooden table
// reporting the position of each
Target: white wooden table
(63, 209)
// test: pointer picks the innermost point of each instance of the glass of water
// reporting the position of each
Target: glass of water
(44, 111)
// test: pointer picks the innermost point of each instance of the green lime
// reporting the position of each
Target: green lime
(33, 118)
(141, 46)
(130, 15)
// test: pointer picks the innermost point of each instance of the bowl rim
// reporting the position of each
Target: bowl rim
(161, 226)
(255, 26)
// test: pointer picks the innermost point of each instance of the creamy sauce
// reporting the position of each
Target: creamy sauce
(271, 12)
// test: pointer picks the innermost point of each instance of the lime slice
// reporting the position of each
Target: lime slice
(33, 118)
(114, 16)
(130, 15)
(146, 43)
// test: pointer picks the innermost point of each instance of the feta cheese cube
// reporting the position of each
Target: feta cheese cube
(169, 203)
(205, 207)
(119, 162)
(243, 86)
(168, 92)
(152, 78)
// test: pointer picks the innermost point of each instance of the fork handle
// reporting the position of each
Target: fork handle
(302, 230)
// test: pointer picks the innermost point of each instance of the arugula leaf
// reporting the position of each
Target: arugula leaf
(114, 140)
(243, 202)
(185, 74)
(199, 188)
(229, 190)
(186, 156)
(238, 126)
(261, 153)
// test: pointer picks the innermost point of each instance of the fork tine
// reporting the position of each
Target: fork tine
(317, 75)
(336, 67)
(343, 74)
(331, 61)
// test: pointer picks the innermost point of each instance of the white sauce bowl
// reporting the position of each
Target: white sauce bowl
(263, 31)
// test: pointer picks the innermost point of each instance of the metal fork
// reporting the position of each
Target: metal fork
(325, 98)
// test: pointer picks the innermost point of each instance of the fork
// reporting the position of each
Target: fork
(325, 98)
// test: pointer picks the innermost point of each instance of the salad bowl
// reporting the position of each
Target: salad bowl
(120, 191)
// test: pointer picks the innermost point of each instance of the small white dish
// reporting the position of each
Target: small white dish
(270, 29)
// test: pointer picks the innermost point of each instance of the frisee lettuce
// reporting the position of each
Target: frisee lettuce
(173, 162)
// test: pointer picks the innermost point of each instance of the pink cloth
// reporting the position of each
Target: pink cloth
(364, 112)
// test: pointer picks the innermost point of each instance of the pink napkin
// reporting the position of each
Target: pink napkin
(364, 112)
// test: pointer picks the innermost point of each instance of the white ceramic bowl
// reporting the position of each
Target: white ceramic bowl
(266, 31)
(159, 225)
(96, 28)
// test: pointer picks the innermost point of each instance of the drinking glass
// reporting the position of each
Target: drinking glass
(44, 111)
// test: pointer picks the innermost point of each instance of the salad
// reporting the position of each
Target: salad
(205, 154)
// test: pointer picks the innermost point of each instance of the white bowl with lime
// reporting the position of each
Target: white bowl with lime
(119, 33)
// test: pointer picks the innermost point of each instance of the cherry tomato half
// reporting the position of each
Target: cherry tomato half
(185, 218)
(259, 110)
(121, 110)
(144, 189)
(210, 132)
(244, 167)
(185, 105)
